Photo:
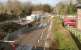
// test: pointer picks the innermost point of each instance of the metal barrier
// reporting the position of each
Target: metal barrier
(75, 32)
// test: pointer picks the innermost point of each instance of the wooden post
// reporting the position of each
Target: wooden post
(78, 16)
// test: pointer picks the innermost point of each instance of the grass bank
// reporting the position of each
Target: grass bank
(62, 36)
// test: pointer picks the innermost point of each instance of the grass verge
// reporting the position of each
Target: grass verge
(63, 37)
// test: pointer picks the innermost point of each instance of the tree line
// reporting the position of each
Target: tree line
(11, 10)
(66, 8)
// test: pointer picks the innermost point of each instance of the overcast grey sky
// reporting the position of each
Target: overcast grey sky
(51, 2)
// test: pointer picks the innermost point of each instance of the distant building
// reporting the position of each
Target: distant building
(40, 13)
(37, 12)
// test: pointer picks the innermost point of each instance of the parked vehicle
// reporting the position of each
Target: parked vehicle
(69, 22)
(7, 45)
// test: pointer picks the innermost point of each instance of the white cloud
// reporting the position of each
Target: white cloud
(23, 0)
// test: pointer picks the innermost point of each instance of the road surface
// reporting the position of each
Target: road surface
(36, 38)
